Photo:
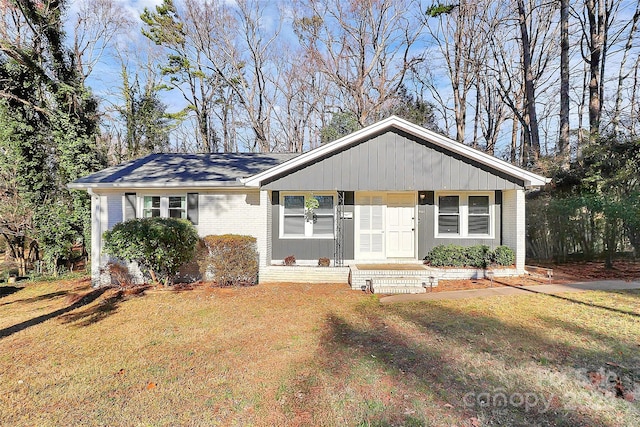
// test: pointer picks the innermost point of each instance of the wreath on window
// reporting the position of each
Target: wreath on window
(310, 204)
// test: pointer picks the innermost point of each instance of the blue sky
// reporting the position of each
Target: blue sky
(106, 78)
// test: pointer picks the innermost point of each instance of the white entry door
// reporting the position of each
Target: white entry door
(400, 225)
(370, 226)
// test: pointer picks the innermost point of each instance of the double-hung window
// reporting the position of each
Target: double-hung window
(177, 207)
(151, 206)
(449, 215)
(464, 215)
(307, 215)
(479, 219)
(164, 206)
(294, 218)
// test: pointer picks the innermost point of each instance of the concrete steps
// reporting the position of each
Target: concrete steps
(388, 280)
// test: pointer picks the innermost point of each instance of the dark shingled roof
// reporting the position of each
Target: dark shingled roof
(159, 170)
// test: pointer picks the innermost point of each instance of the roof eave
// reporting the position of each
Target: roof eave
(158, 186)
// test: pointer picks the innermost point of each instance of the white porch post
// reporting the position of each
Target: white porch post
(513, 226)
(96, 238)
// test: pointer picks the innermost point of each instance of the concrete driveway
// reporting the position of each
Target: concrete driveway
(602, 285)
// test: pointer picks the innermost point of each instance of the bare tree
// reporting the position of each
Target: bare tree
(363, 47)
(623, 73)
(459, 32)
(97, 24)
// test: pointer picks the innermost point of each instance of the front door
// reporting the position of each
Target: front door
(400, 229)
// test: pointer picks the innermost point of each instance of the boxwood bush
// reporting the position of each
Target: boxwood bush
(503, 255)
(159, 245)
(232, 258)
(479, 256)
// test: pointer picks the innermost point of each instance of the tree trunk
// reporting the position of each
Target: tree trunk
(532, 152)
(596, 39)
(563, 140)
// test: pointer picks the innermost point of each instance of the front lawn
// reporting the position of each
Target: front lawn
(288, 354)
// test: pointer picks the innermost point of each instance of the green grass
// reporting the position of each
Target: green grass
(313, 355)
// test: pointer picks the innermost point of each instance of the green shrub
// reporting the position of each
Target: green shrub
(446, 256)
(233, 259)
(503, 255)
(159, 245)
(478, 256)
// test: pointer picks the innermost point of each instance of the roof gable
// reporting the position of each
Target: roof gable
(454, 148)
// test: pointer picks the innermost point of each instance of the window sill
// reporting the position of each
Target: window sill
(306, 237)
(469, 236)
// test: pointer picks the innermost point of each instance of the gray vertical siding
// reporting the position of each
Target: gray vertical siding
(309, 249)
(394, 161)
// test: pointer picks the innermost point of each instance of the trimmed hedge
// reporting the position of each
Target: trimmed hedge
(159, 245)
(233, 259)
(503, 255)
(479, 256)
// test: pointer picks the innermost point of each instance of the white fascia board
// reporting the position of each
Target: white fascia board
(530, 179)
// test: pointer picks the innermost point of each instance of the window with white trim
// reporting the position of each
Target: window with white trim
(151, 206)
(449, 215)
(479, 218)
(307, 215)
(465, 215)
(164, 206)
(177, 207)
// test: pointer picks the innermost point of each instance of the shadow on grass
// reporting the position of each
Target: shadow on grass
(9, 290)
(43, 297)
(461, 361)
(96, 313)
(82, 301)
(575, 301)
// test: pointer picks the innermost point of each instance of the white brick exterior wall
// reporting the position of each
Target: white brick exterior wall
(223, 212)
(513, 225)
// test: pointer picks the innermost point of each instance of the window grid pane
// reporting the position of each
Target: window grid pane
(478, 205)
(449, 204)
(151, 206)
(293, 225)
(294, 204)
(479, 224)
(448, 224)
